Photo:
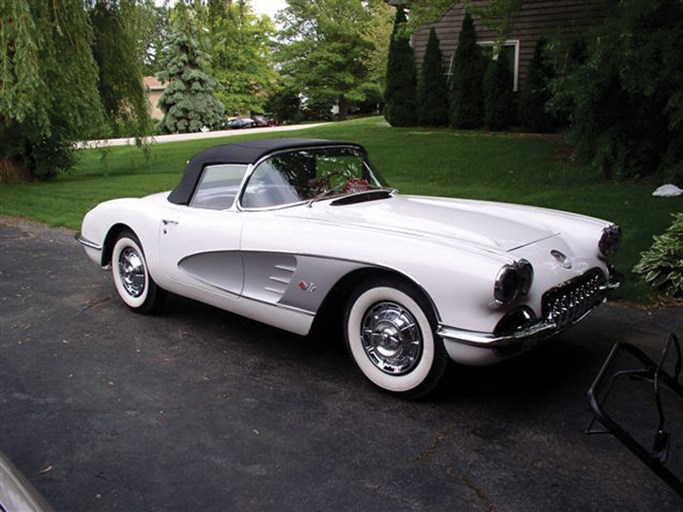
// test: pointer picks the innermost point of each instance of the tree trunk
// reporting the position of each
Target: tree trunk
(10, 172)
(343, 107)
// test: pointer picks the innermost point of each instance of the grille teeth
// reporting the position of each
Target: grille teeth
(569, 302)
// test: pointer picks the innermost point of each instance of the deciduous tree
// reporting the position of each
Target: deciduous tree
(626, 99)
(240, 48)
(48, 86)
(324, 47)
(119, 62)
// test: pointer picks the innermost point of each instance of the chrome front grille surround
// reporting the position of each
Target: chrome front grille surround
(569, 302)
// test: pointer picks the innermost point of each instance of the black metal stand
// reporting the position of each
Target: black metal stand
(657, 457)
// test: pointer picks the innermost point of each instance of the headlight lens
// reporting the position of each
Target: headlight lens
(526, 276)
(513, 281)
(610, 240)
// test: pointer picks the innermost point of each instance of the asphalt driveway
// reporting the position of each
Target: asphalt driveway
(197, 409)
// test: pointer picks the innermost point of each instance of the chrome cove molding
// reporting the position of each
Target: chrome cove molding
(298, 282)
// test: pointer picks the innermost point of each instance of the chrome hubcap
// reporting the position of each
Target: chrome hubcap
(391, 338)
(132, 272)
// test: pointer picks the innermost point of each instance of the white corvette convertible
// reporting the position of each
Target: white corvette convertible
(290, 231)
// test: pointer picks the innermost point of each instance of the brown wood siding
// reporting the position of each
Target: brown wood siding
(535, 18)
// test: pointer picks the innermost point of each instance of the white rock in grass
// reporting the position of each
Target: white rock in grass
(667, 191)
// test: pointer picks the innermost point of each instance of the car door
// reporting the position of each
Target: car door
(200, 243)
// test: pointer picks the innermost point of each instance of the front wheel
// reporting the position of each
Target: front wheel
(132, 281)
(389, 328)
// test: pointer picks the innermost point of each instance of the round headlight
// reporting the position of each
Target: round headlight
(526, 276)
(610, 240)
(513, 281)
(507, 285)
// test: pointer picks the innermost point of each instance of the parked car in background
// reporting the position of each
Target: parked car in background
(263, 122)
(240, 122)
(292, 231)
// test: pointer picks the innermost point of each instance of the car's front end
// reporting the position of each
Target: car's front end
(536, 301)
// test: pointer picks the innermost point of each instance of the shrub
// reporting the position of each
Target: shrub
(467, 98)
(536, 92)
(498, 97)
(432, 91)
(401, 91)
(662, 264)
(625, 102)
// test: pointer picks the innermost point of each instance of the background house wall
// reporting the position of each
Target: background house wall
(535, 18)
(154, 91)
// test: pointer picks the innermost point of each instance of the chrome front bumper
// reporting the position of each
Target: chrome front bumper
(87, 243)
(483, 348)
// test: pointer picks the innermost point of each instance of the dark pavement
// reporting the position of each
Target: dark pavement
(197, 409)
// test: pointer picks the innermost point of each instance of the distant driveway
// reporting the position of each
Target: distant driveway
(160, 139)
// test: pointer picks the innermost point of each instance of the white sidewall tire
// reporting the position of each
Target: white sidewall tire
(394, 383)
(122, 244)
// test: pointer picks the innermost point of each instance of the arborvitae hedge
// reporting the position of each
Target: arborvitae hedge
(432, 90)
(467, 99)
(536, 93)
(499, 111)
(401, 89)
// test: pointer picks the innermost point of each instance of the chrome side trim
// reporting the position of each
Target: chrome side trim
(87, 243)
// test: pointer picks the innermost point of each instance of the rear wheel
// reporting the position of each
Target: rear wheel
(132, 281)
(389, 328)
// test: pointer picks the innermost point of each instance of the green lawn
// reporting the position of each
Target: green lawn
(515, 168)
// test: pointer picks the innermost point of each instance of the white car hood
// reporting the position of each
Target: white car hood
(492, 226)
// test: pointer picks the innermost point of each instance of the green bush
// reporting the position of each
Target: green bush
(625, 101)
(536, 92)
(498, 96)
(467, 97)
(662, 264)
(432, 90)
(401, 90)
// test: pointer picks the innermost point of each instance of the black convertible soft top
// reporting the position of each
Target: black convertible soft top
(248, 152)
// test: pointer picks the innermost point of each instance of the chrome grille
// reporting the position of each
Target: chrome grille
(567, 303)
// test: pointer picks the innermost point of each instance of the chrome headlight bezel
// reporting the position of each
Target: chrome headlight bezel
(512, 282)
(610, 240)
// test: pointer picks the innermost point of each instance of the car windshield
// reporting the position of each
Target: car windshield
(306, 175)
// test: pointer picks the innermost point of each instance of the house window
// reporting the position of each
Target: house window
(510, 49)
(448, 66)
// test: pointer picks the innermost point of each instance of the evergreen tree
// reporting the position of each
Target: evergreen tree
(467, 98)
(536, 92)
(48, 87)
(188, 103)
(498, 98)
(401, 91)
(432, 91)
